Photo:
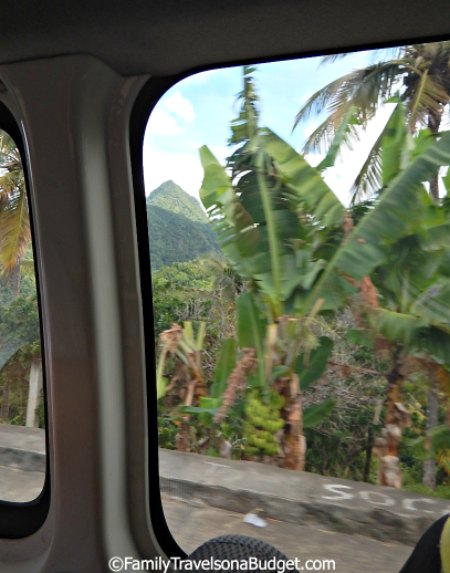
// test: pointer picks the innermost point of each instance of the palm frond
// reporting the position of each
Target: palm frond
(426, 96)
(377, 171)
(369, 177)
(15, 233)
(331, 58)
(319, 101)
(319, 140)
(364, 89)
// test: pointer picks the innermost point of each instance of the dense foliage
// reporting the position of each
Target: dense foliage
(315, 337)
(19, 346)
(343, 308)
(173, 198)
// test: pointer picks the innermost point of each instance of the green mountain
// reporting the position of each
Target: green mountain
(171, 197)
(178, 227)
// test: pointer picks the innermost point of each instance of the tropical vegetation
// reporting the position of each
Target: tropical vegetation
(307, 265)
(418, 75)
(290, 329)
(20, 358)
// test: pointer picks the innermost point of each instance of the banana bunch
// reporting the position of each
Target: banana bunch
(261, 424)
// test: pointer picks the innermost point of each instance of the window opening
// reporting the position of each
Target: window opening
(22, 416)
(298, 221)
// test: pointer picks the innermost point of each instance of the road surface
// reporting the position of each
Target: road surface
(192, 523)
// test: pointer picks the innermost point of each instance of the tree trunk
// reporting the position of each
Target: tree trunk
(294, 441)
(369, 449)
(387, 446)
(434, 122)
(34, 392)
(429, 466)
(194, 389)
(434, 187)
(4, 412)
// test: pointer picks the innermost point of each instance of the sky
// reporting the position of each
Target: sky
(198, 110)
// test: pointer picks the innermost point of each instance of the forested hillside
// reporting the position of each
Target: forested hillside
(172, 197)
(178, 227)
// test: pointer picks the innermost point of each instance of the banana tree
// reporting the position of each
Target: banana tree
(410, 257)
(410, 282)
(278, 227)
(185, 346)
(261, 226)
(415, 319)
(413, 270)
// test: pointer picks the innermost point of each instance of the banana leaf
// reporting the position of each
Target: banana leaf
(315, 415)
(310, 368)
(394, 145)
(304, 181)
(226, 361)
(251, 331)
(397, 213)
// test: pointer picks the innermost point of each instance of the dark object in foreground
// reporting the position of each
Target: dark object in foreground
(241, 548)
(426, 556)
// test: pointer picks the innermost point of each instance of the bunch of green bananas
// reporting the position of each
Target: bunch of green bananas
(262, 422)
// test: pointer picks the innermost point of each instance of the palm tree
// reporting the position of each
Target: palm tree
(418, 74)
(15, 234)
(15, 239)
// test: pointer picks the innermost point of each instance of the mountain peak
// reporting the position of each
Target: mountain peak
(178, 227)
(172, 197)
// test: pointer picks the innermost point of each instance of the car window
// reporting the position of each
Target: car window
(298, 217)
(22, 407)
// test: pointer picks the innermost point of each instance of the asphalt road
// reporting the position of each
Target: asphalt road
(192, 523)
(20, 486)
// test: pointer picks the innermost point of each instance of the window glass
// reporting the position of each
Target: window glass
(22, 417)
(298, 217)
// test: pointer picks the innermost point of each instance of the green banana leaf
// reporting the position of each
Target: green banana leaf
(343, 135)
(304, 181)
(257, 222)
(394, 145)
(434, 304)
(310, 368)
(226, 361)
(315, 415)
(251, 330)
(386, 223)
(397, 326)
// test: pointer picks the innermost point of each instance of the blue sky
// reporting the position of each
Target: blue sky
(198, 111)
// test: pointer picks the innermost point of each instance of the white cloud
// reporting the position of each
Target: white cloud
(202, 78)
(183, 168)
(171, 115)
(180, 107)
(162, 123)
(221, 152)
(313, 158)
